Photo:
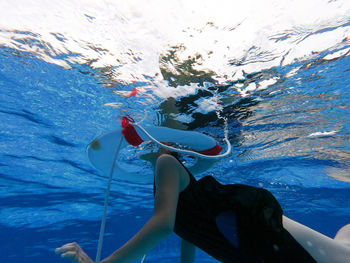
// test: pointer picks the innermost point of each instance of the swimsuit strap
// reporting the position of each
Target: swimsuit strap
(192, 178)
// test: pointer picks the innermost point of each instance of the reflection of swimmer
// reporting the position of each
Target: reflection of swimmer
(232, 223)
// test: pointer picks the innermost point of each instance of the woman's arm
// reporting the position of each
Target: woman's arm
(152, 233)
(162, 222)
(188, 252)
(160, 226)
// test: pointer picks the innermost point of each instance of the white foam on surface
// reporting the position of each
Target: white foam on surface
(315, 134)
(129, 37)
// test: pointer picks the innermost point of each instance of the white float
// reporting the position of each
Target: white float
(102, 152)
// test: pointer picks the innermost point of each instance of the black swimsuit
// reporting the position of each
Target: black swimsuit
(235, 223)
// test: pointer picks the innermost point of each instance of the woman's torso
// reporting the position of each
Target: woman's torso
(235, 223)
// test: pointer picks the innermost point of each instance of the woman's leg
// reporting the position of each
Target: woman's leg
(322, 248)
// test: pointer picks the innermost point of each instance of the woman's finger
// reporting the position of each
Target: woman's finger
(63, 249)
(67, 247)
(69, 255)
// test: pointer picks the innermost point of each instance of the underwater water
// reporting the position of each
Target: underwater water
(273, 74)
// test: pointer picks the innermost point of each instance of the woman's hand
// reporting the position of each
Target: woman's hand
(73, 252)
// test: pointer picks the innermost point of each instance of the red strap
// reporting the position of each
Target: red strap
(212, 151)
(129, 132)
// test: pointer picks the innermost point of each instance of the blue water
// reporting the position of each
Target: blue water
(291, 136)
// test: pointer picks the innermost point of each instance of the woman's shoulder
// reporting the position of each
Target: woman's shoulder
(168, 161)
